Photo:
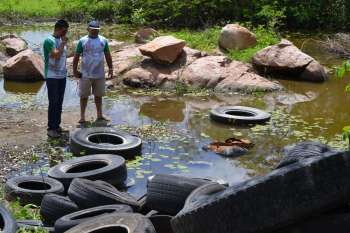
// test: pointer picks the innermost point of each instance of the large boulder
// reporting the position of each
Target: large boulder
(285, 196)
(25, 66)
(163, 49)
(142, 72)
(234, 36)
(145, 35)
(286, 59)
(13, 44)
(224, 75)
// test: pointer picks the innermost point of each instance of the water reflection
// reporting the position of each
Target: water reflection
(164, 110)
(22, 88)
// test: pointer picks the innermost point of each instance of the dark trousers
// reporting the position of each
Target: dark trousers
(55, 90)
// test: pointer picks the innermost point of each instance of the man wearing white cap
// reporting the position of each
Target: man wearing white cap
(94, 50)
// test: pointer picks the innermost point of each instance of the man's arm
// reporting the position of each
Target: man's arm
(78, 51)
(108, 60)
(75, 65)
(56, 53)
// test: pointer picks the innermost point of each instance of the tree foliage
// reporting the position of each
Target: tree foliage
(201, 13)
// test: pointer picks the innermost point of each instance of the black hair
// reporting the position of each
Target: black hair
(61, 24)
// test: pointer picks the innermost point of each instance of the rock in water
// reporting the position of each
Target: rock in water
(25, 66)
(286, 59)
(224, 75)
(234, 36)
(13, 44)
(163, 49)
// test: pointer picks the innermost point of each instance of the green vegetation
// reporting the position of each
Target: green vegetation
(207, 40)
(13, 9)
(197, 13)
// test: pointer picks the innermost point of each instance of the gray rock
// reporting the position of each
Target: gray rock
(286, 59)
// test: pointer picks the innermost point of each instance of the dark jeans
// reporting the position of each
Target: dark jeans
(55, 90)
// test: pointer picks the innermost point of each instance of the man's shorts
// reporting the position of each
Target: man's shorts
(95, 86)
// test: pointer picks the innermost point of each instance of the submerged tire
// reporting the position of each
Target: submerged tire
(168, 193)
(301, 151)
(104, 140)
(239, 115)
(109, 168)
(71, 220)
(54, 206)
(88, 194)
(31, 189)
(7, 222)
(123, 223)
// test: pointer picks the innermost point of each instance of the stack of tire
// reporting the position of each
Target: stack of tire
(95, 204)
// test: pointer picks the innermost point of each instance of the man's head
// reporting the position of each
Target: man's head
(93, 28)
(61, 28)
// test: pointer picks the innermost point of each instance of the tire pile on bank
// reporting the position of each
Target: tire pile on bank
(309, 191)
(89, 192)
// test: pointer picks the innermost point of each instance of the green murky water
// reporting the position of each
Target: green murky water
(175, 128)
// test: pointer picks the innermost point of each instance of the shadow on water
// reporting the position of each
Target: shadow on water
(175, 128)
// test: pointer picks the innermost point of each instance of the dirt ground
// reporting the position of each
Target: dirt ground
(23, 131)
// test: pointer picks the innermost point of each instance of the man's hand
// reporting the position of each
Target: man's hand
(110, 74)
(64, 40)
(77, 74)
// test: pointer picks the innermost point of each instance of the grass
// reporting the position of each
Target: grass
(29, 8)
(207, 40)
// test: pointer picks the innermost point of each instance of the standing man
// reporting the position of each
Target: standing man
(94, 49)
(55, 54)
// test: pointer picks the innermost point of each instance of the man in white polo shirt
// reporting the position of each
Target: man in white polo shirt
(94, 50)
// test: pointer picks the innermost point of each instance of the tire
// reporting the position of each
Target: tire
(88, 194)
(202, 193)
(7, 222)
(301, 151)
(112, 141)
(161, 223)
(168, 193)
(71, 220)
(239, 115)
(339, 223)
(274, 201)
(54, 206)
(123, 223)
(110, 168)
(31, 189)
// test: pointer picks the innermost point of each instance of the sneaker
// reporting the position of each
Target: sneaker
(53, 133)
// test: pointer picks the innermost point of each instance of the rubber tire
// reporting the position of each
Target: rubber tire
(54, 206)
(162, 223)
(88, 194)
(80, 145)
(301, 151)
(71, 220)
(115, 172)
(7, 222)
(27, 195)
(168, 193)
(257, 116)
(202, 193)
(131, 223)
